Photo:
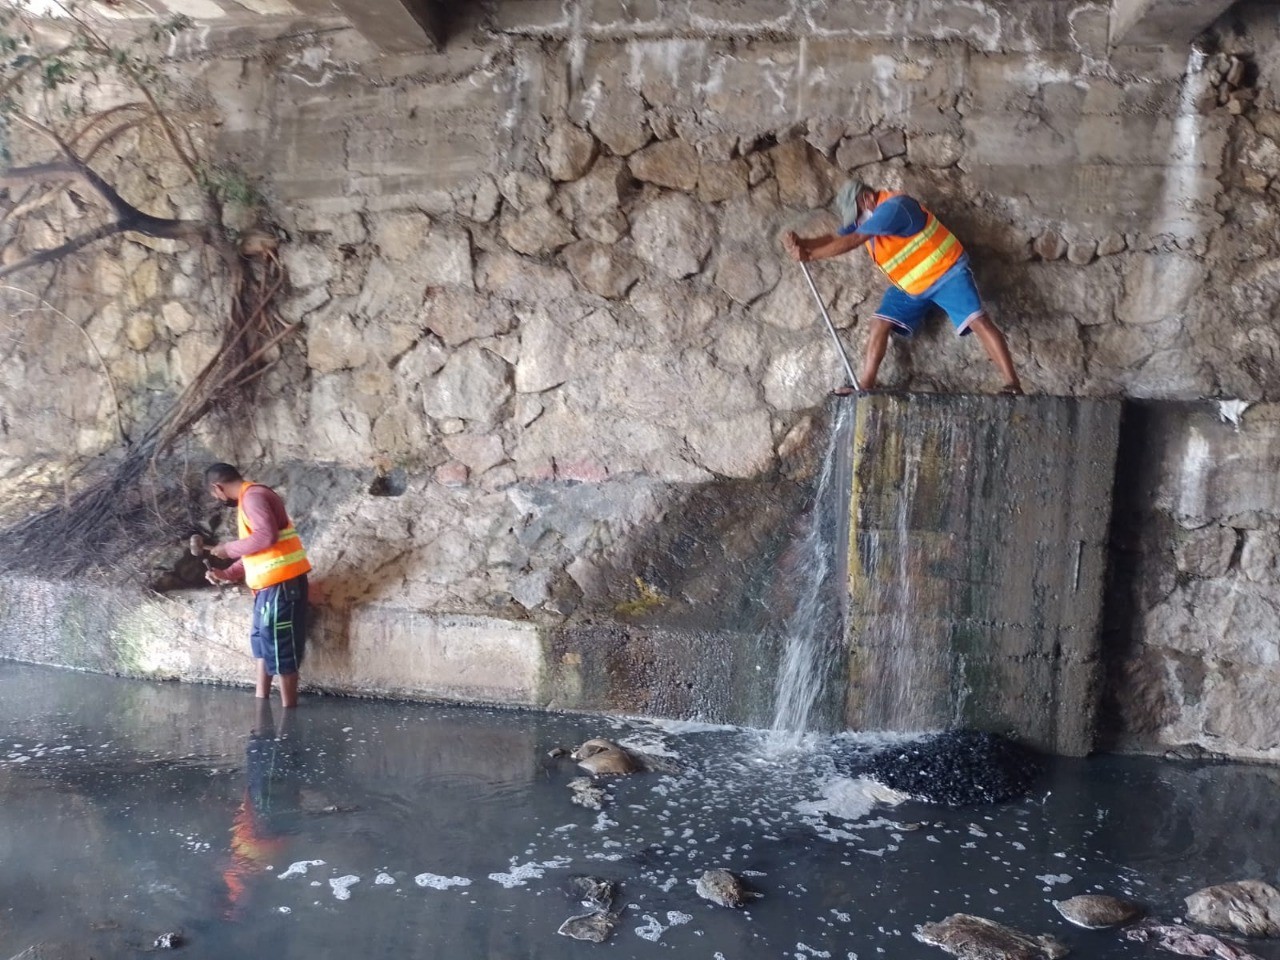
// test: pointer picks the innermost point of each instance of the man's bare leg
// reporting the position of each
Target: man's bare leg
(877, 343)
(289, 689)
(997, 348)
(264, 679)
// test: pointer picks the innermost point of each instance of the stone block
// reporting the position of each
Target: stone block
(740, 447)
(1260, 557)
(804, 178)
(537, 232)
(1205, 552)
(673, 234)
(858, 151)
(935, 150)
(568, 152)
(667, 163)
(473, 385)
(546, 357)
(1050, 245)
(744, 275)
(722, 180)
(603, 269)
(1242, 709)
(512, 277)
(1081, 252)
(457, 316)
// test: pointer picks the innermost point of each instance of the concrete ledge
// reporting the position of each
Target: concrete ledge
(195, 635)
(979, 531)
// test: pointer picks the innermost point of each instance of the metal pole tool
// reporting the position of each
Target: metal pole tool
(844, 357)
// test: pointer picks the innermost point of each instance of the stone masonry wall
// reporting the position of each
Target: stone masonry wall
(1195, 637)
(540, 277)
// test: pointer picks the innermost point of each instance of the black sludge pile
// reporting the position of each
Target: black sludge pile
(957, 769)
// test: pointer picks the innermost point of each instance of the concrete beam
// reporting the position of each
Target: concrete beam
(393, 26)
(1162, 23)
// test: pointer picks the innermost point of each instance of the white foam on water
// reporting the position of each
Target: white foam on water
(519, 876)
(850, 798)
(384, 878)
(284, 909)
(677, 919)
(682, 727)
(437, 882)
(652, 929)
(341, 886)
(299, 868)
(1052, 879)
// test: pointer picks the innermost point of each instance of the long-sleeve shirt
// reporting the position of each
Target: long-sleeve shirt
(267, 517)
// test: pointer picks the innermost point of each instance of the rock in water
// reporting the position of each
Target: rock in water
(600, 756)
(957, 769)
(1250, 907)
(168, 941)
(723, 888)
(1095, 911)
(595, 927)
(592, 891)
(1178, 939)
(973, 938)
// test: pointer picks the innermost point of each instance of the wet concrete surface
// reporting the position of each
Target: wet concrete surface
(130, 809)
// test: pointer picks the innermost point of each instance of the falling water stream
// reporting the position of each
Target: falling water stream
(811, 633)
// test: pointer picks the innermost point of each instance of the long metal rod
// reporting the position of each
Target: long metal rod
(848, 367)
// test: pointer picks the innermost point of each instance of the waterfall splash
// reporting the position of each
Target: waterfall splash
(812, 631)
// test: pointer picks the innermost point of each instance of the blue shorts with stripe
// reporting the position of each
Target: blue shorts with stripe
(956, 293)
(279, 633)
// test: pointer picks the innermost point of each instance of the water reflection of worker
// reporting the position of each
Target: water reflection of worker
(272, 797)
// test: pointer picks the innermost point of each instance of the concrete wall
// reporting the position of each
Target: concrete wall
(979, 543)
(539, 276)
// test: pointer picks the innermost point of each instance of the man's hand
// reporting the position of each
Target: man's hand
(797, 247)
(220, 551)
(214, 577)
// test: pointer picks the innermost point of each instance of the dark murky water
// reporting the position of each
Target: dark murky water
(128, 809)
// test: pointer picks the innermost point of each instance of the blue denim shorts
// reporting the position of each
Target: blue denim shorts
(956, 293)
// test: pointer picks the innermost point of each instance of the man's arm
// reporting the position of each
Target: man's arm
(257, 508)
(805, 249)
(233, 573)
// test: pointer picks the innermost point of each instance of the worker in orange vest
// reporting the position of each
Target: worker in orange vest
(925, 265)
(270, 559)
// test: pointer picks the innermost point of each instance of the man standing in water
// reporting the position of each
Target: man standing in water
(925, 265)
(271, 561)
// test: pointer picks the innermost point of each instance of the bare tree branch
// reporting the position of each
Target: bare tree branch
(66, 249)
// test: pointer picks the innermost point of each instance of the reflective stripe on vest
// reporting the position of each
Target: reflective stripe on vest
(916, 263)
(283, 560)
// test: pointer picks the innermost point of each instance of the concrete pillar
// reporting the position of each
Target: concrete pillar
(979, 530)
(1158, 23)
(394, 26)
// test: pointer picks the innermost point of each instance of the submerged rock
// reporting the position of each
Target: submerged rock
(592, 891)
(587, 794)
(1249, 907)
(957, 769)
(1095, 911)
(1187, 943)
(723, 888)
(595, 926)
(600, 756)
(974, 938)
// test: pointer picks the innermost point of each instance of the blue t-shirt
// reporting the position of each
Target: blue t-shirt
(902, 216)
(899, 216)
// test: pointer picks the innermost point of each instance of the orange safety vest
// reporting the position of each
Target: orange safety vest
(283, 560)
(915, 263)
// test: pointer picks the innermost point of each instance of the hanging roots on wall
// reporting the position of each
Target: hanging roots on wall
(127, 510)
